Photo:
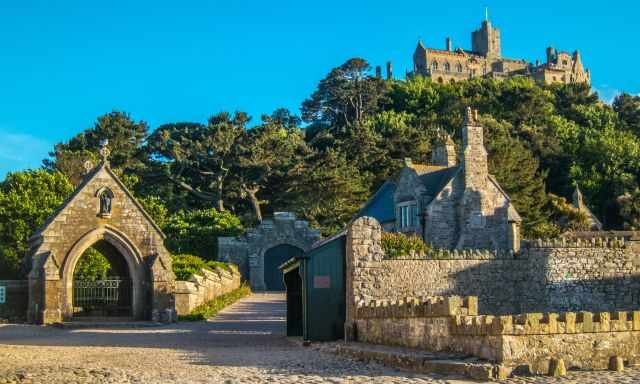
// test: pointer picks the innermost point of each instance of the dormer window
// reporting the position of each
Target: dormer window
(407, 214)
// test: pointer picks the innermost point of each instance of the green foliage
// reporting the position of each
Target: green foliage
(92, 266)
(185, 266)
(155, 207)
(26, 200)
(210, 309)
(397, 244)
(629, 205)
(196, 232)
(567, 216)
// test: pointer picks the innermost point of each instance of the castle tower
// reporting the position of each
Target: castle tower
(474, 155)
(444, 152)
(486, 41)
(420, 60)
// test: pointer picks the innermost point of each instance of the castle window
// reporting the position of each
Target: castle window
(447, 67)
(434, 66)
(459, 68)
(565, 62)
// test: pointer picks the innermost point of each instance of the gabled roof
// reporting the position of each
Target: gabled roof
(87, 179)
(380, 206)
(436, 178)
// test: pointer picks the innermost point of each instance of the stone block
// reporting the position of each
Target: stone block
(557, 368)
(584, 322)
(635, 320)
(569, 320)
(616, 363)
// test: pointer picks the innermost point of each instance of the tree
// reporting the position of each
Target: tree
(628, 109)
(196, 232)
(329, 192)
(517, 171)
(92, 266)
(26, 200)
(267, 153)
(199, 157)
(344, 97)
(126, 138)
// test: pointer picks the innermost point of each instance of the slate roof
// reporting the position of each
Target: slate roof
(381, 206)
(436, 179)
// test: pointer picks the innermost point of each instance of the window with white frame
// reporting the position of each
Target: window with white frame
(407, 215)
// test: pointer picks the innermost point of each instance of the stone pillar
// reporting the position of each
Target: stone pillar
(163, 308)
(363, 244)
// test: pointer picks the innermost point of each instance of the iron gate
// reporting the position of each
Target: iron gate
(102, 297)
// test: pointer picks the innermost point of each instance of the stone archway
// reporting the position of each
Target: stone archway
(100, 209)
(248, 251)
(126, 249)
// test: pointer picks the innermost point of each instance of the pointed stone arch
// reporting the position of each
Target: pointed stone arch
(79, 223)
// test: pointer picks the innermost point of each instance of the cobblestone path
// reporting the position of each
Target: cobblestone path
(243, 344)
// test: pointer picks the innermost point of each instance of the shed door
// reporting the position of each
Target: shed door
(273, 258)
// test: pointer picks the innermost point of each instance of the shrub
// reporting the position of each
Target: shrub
(185, 266)
(197, 231)
(209, 309)
(396, 244)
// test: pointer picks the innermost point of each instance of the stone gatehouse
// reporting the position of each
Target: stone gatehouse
(101, 210)
(261, 250)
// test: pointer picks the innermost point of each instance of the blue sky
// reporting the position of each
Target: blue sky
(63, 63)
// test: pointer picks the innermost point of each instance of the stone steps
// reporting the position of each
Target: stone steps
(421, 361)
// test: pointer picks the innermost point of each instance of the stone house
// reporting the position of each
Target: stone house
(450, 205)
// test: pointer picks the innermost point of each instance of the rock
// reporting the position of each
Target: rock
(616, 363)
(557, 368)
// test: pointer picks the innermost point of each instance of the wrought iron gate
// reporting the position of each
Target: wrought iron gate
(102, 297)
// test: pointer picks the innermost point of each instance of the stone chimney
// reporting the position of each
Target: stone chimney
(449, 46)
(444, 152)
(378, 72)
(389, 70)
(474, 155)
(551, 53)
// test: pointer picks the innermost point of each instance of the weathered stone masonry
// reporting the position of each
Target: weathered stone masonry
(248, 251)
(204, 287)
(544, 277)
(80, 222)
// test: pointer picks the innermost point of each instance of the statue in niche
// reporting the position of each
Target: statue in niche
(105, 202)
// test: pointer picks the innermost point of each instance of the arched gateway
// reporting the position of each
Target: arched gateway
(260, 251)
(100, 213)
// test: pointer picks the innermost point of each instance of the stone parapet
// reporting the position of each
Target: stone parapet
(204, 287)
(419, 307)
(546, 323)
(577, 242)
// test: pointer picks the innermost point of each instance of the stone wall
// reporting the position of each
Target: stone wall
(247, 251)
(204, 287)
(16, 299)
(583, 340)
(594, 275)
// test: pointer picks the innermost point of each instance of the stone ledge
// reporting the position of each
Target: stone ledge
(437, 306)
(421, 361)
(546, 323)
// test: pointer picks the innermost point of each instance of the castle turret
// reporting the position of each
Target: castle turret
(551, 54)
(486, 41)
(474, 158)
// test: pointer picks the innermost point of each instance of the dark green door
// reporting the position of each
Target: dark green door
(273, 258)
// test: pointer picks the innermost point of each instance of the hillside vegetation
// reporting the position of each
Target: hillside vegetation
(201, 180)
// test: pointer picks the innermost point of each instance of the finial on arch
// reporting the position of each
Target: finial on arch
(104, 150)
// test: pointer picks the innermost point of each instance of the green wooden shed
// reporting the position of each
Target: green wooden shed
(315, 286)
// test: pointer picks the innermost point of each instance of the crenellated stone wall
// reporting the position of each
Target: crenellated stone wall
(204, 287)
(563, 275)
(584, 340)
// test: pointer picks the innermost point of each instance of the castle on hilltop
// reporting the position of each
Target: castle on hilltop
(485, 59)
